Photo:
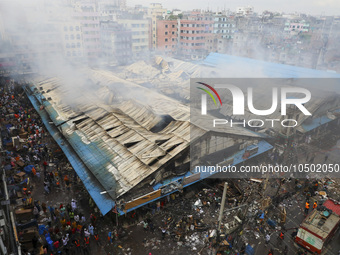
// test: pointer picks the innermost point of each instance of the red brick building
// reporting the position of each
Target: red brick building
(194, 29)
(167, 35)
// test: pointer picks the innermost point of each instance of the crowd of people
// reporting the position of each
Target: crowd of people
(62, 228)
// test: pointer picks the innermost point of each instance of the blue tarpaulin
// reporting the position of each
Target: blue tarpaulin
(271, 223)
(28, 169)
(249, 250)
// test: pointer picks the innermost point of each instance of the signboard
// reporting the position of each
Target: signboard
(142, 200)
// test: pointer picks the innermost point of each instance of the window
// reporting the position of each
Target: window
(71, 28)
(77, 28)
(173, 39)
(66, 37)
(78, 45)
(166, 26)
(166, 33)
(74, 53)
(67, 45)
(166, 39)
(173, 32)
(72, 37)
(173, 26)
(78, 36)
(73, 45)
(166, 46)
(65, 28)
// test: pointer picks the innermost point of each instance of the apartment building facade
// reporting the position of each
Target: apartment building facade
(193, 30)
(140, 33)
(116, 43)
(88, 17)
(167, 36)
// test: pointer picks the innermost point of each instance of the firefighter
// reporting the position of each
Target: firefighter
(77, 244)
(315, 205)
(86, 246)
(280, 238)
(282, 235)
(87, 241)
(96, 237)
(306, 207)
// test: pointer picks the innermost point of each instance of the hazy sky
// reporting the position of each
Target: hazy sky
(315, 7)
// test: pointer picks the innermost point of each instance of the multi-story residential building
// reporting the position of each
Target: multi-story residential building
(224, 26)
(167, 35)
(155, 12)
(72, 40)
(140, 35)
(193, 30)
(87, 15)
(215, 43)
(296, 26)
(116, 43)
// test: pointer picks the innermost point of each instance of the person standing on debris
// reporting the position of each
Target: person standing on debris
(307, 207)
(93, 219)
(91, 229)
(46, 189)
(74, 205)
(36, 212)
(83, 219)
(86, 233)
(163, 232)
(158, 206)
(294, 233)
(71, 215)
(281, 237)
(145, 225)
(315, 205)
(65, 240)
(109, 237)
(96, 238)
(76, 218)
(267, 239)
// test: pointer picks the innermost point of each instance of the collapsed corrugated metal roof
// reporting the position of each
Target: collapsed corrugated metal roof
(122, 131)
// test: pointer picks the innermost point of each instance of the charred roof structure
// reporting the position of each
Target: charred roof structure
(129, 138)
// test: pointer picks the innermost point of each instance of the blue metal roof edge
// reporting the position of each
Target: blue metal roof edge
(103, 201)
(281, 70)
